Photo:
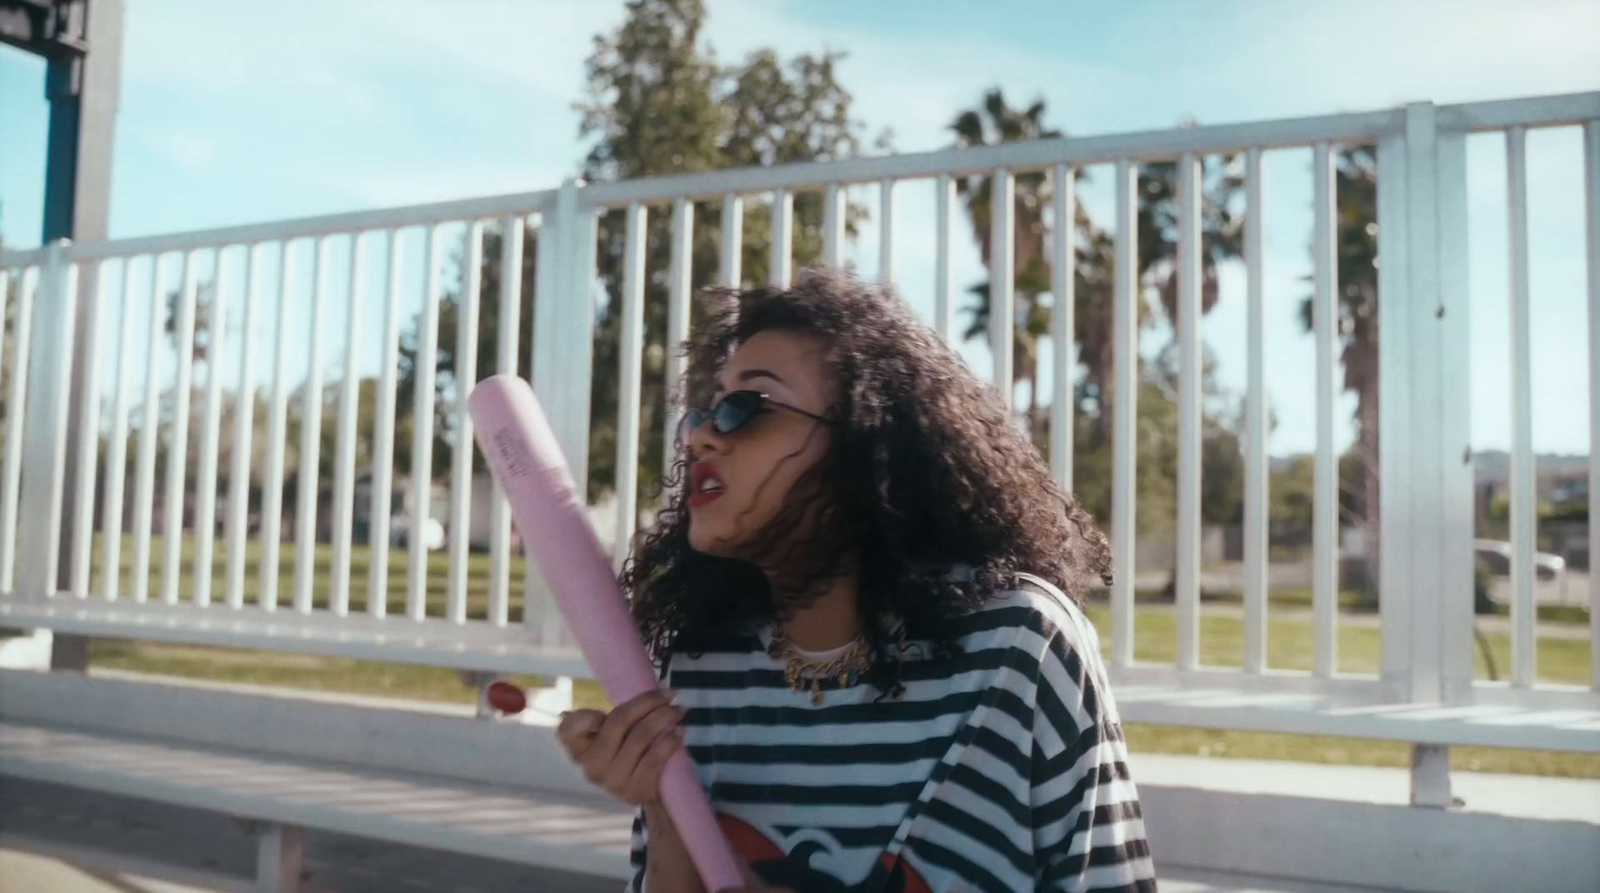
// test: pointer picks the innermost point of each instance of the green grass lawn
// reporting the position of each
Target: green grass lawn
(1289, 641)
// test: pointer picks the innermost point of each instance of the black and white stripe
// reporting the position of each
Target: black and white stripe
(1012, 747)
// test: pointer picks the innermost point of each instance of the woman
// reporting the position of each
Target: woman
(864, 597)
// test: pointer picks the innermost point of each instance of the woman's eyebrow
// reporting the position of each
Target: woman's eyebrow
(746, 376)
(749, 374)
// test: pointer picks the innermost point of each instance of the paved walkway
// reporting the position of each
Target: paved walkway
(27, 873)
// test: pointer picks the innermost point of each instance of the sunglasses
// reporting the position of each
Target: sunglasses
(732, 412)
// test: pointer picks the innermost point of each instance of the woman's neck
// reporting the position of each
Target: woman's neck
(830, 620)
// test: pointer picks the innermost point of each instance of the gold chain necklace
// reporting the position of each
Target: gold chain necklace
(800, 670)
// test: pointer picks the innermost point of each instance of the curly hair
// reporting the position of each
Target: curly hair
(927, 484)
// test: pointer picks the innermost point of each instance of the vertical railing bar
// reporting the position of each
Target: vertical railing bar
(511, 245)
(1325, 522)
(679, 287)
(1124, 445)
(43, 490)
(579, 273)
(1524, 520)
(237, 523)
(309, 480)
(178, 447)
(1256, 482)
(1454, 512)
(546, 361)
(205, 515)
(277, 422)
(628, 383)
(205, 484)
(1187, 573)
(344, 470)
(728, 271)
(422, 441)
(1591, 206)
(782, 236)
(13, 428)
(1002, 300)
(144, 478)
(833, 225)
(16, 405)
(382, 505)
(117, 446)
(461, 458)
(1396, 422)
(88, 439)
(1063, 324)
(943, 307)
(886, 231)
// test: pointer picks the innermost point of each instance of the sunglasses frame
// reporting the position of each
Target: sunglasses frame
(695, 418)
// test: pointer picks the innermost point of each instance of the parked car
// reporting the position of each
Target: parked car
(1495, 555)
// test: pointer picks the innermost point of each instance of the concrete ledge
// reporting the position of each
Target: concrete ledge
(1352, 826)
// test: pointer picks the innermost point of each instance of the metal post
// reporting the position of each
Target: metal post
(1430, 776)
(1425, 456)
(280, 858)
(83, 90)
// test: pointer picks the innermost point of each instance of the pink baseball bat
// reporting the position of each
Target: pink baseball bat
(523, 454)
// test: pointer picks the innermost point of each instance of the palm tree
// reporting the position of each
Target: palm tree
(996, 121)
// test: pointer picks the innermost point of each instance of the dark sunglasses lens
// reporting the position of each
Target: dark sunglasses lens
(730, 413)
(691, 421)
(734, 410)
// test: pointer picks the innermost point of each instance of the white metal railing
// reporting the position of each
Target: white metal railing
(1427, 488)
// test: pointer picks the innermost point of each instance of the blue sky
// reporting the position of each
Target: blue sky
(232, 112)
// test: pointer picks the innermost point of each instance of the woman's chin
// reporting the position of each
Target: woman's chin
(707, 542)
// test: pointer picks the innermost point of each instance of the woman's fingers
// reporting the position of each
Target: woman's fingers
(624, 751)
(644, 734)
(644, 784)
(577, 729)
(620, 721)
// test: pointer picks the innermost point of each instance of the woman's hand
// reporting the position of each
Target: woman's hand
(625, 750)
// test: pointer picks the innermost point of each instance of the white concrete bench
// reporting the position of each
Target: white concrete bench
(439, 777)
(409, 776)
(452, 780)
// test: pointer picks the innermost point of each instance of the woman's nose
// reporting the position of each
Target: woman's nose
(704, 439)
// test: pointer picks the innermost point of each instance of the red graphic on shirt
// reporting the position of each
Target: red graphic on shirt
(793, 869)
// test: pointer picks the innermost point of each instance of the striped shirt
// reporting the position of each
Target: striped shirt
(1001, 769)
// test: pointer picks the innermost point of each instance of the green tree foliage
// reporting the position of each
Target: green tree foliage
(448, 389)
(997, 121)
(660, 103)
